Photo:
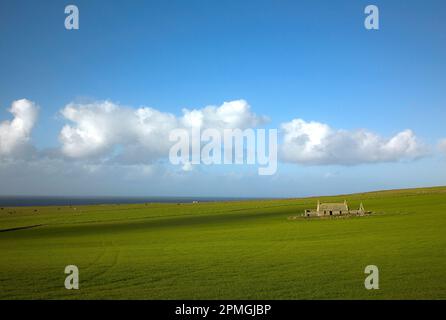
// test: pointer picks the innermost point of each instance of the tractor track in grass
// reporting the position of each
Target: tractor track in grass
(255, 255)
(97, 258)
(110, 253)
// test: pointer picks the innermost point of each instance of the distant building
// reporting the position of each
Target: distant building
(334, 209)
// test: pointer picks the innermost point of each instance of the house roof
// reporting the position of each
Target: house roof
(333, 206)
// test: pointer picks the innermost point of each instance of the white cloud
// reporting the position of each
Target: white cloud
(15, 134)
(233, 114)
(101, 127)
(315, 143)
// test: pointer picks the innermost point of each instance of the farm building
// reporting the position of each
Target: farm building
(334, 209)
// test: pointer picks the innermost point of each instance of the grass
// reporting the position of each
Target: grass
(228, 250)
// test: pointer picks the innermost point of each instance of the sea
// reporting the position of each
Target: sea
(19, 201)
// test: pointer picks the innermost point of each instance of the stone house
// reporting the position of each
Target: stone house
(334, 209)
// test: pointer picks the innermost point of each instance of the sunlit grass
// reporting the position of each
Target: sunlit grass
(228, 250)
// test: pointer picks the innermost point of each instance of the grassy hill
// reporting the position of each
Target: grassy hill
(228, 250)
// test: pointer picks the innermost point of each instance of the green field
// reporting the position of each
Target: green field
(228, 250)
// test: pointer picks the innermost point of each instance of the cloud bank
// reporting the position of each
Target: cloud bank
(105, 132)
(99, 128)
(315, 143)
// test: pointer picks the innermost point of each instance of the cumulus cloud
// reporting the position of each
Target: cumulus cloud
(315, 143)
(99, 127)
(15, 134)
(230, 115)
(102, 127)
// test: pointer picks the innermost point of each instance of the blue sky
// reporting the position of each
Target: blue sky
(310, 60)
